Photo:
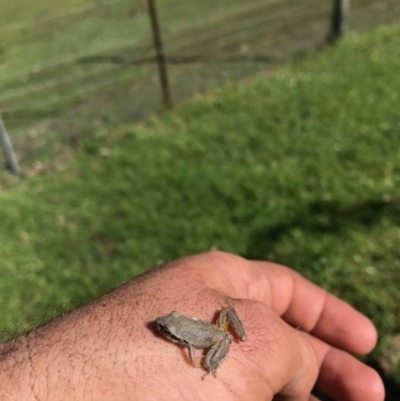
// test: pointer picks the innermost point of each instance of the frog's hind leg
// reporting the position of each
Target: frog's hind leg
(217, 353)
(228, 317)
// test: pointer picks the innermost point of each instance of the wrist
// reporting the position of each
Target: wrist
(15, 372)
(82, 355)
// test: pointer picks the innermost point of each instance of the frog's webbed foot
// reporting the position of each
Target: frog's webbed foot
(228, 317)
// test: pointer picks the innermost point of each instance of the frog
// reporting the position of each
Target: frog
(194, 333)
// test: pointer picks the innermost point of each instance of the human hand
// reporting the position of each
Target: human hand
(297, 334)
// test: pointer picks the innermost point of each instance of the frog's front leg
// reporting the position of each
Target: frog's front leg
(217, 353)
(228, 317)
(191, 354)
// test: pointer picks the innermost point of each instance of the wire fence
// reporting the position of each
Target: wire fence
(69, 70)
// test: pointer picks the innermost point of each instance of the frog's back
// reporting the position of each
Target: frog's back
(201, 334)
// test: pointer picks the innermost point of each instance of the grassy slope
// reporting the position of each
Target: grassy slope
(301, 168)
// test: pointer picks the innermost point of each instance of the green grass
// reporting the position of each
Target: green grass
(302, 168)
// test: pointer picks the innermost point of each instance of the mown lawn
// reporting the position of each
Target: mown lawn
(70, 67)
(301, 167)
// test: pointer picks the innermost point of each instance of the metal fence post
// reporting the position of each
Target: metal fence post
(338, 20)
(160, 56)
(5, 142)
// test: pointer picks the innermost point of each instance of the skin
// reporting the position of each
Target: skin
(297, 335)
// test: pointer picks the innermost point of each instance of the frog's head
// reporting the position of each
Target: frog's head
(168, 326)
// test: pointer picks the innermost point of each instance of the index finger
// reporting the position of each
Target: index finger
(297, 300)
(311, 308)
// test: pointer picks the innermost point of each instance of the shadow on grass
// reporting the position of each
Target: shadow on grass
(323, 217)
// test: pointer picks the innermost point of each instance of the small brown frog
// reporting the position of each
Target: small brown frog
(195, 333)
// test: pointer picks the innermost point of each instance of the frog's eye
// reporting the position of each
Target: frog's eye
(167, 333)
